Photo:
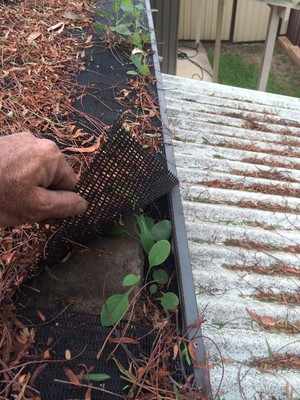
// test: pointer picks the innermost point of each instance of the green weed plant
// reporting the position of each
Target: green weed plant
(126, 21)
(155, 240)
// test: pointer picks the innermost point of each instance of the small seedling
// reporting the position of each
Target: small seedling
(154, 238)
(138, 58)
(155, 241)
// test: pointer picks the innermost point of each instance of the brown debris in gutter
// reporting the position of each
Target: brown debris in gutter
(41, 56)
(43, 50)
(40, 59)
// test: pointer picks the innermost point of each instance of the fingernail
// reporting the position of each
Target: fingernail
(81, 207)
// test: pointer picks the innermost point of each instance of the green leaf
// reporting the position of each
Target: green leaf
(131, 72)
(140, 6)
(149, 222)
(116, 230)
(175, 389)
(169, 301)
(116, 6)
(144, 70)
(153, 289)
(103, 27)
(131, 280)
(123, 370)
(160, 276)
(103, 13)
(162, 230)
(136, 59)
(136, 40)
(270, 352)
(96, 377)
(144, 223)
(146, 238)
(122, 30)
(114, 308)
(159, 253)
(138, 24)
(220, 325)
(126, 5)
(147, 241)
(185, 353)
(146, 37)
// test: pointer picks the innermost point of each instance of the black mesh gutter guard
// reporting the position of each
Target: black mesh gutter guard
(180, 244)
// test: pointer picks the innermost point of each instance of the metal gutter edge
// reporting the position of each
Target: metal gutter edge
(180, 247)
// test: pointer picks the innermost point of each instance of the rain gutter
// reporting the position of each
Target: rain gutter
(180, 244)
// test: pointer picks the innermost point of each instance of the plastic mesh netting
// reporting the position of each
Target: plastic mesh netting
(82, 335)
(121, 178)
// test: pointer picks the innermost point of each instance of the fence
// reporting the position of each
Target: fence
(293, 31)
(166, 28)
(244, 20)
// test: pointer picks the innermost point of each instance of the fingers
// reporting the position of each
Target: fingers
(58, 204)
(55, 172)
(64, 178)
(47, 205)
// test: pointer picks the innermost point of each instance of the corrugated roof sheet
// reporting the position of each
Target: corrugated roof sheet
(238, 159)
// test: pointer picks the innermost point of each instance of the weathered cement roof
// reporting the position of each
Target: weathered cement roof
(238, 159)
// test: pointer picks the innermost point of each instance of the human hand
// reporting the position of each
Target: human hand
(36, 181)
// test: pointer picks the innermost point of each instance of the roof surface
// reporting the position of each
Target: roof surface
(238, 159)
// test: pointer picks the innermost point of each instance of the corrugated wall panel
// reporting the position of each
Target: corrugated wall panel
(251, 21)
(186, 23)
(250, 24)
(190, 19)
(209, 25)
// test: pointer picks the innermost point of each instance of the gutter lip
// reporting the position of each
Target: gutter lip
(186, 286)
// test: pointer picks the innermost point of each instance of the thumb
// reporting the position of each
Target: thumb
(60, 204)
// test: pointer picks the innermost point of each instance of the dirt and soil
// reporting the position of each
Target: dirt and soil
(89, 276)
